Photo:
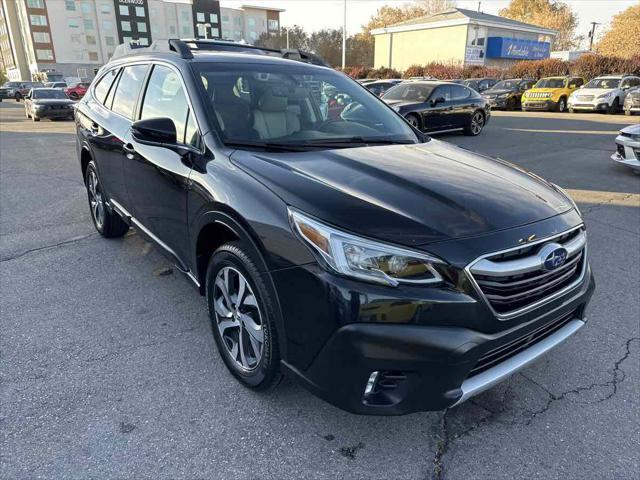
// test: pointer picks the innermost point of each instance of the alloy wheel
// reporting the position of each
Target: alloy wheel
(561, 105)
(96, 200)
(477, 123)
(238, 318)
(413, 121)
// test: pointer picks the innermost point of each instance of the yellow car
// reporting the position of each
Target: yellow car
(551, 93)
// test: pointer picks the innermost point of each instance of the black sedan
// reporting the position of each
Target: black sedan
(507, 94)
(48, 103)
(432, 106)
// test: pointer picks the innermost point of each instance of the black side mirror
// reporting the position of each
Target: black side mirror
(160, 132)
(437, 100)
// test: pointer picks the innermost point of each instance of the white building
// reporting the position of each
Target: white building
(248, 22)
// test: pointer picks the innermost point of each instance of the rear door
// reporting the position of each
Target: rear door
(157, 178)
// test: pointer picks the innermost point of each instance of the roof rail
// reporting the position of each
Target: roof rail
(180, 48)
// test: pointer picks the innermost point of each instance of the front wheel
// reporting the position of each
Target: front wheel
(73, 96)
(107, 222)
(615, 106)
(242, 317)
(476, 124)
(511, 104)
(414, 121)
(627, 112)
(562, 105)
(18, 96)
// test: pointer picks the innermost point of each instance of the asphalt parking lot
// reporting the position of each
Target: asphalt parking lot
(109, 370)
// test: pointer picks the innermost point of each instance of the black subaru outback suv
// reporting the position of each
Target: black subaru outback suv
(388, 272)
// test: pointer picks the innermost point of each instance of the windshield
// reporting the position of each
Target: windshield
(298, 105)
(506, 85)
(41, 94)
(410, 92)
(550, 83)
(603, 83)
(11, 85)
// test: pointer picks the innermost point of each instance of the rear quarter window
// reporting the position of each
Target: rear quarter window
(101, 90)
(128, 89)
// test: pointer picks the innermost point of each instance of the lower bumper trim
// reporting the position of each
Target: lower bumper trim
(487, 379)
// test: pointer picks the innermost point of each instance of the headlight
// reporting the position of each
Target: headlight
(397, 109)
(364, 259)
(564, 192)
(504, 95)
(10, 92)
(605, 95)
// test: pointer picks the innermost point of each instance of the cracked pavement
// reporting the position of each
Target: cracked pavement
(108, 368)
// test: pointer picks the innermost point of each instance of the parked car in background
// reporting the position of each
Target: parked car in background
(480, 84)
(507, 94)
(77, 90)
(603, 94)
(364, 81)
(433, 106)
(60, 85)
(628, 148)
(381, 86)
(632, 101)
(50, 103)
(551, 93)
(17, 90)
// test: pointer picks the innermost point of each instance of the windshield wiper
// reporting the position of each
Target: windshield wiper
(343, 141)
(287, 147)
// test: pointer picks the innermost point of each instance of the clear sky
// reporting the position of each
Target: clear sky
(318, 14)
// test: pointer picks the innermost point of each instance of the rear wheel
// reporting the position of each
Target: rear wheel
(476, 124)
(242, 317)
(413, 119)
(107, 222)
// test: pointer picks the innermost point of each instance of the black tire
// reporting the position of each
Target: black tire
(73, 96)
(511, 104)
(571, 110)
(562, 105)
(108, 223)
(627, 112)
(475, 125)
(18, 96)
(615, 107)
(265, 373)
(35, 119)
(414, 120)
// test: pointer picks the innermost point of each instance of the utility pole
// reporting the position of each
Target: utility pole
(592, 34)
(344, 36)
(479, 5)
(287, 38)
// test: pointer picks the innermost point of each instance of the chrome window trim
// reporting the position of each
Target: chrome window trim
(539, 303)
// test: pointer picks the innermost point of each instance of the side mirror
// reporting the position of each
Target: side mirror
(437, 100)
(160, 132)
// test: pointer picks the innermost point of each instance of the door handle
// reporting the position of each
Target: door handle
(128, 149)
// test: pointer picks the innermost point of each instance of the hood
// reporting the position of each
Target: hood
(406, 194)
(53, 101)
(632, 129)
(544, 90)
(500, 91)
(593, 91)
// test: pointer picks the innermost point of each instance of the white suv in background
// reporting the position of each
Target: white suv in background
(603, 94)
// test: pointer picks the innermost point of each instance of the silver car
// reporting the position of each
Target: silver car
(628, 148)
(632, 102)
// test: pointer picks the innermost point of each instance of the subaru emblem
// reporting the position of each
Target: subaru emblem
(552, 256)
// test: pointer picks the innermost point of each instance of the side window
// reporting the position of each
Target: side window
(634, 82)
(458, 92)
(624, 83)
(578, 82)
(129, 85)
(102, 87)
(165, 97)
(442, 91)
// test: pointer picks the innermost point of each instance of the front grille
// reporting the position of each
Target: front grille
(516, 279)
(538, 95)
(509, 349)
(585, 98)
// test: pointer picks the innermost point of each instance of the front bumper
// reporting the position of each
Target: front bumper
(594, 106)
(5, 94)
(627, 153)
(55, 113)
(539, 104)
(497, 103)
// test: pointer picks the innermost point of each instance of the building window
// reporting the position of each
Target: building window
(70, 5)
(93, 56)
(226, 34)
(185, 15)
(252, 22)
(91, 40)
(125, 26)
(73, 23)
(253, 35)
(143, 41)
(107, 25)
(215, 32)
(41, 37)
(140, 12)
(142, 27)
(44, 54)
(225, 19)
(186, 30)
(86, 8)
(88, 24)
(213, 17)
(127, 39)
(105, 8)
(200, 17)
(35, 3)
(109, 41)
(172, 29)
(40, 20)
(273, 25)
(75, 39)
(124, 10)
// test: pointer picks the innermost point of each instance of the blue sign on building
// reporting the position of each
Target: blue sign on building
(515, 48)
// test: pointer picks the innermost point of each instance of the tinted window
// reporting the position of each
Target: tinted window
(634, 82)
(442, 91)
(550, 83)
(191, 134)
(165, 97)
(102, 87)
(410, 92)
(603, 83)
(459, 93)
(577, 82)
(56, 94)
(128, 89)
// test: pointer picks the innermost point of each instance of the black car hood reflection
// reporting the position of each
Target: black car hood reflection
(402, 103)
(406, 194)
(497, 92)
(53, 101)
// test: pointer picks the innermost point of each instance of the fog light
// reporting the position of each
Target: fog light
(371, 383)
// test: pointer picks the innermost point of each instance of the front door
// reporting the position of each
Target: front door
(437, 114)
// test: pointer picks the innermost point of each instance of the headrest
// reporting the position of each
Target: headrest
(272, 103)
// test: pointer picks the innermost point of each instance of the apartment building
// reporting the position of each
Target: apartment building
(62, 39)
(247, 23)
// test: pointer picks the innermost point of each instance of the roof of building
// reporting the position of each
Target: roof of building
(256, 7)
(455, 16)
